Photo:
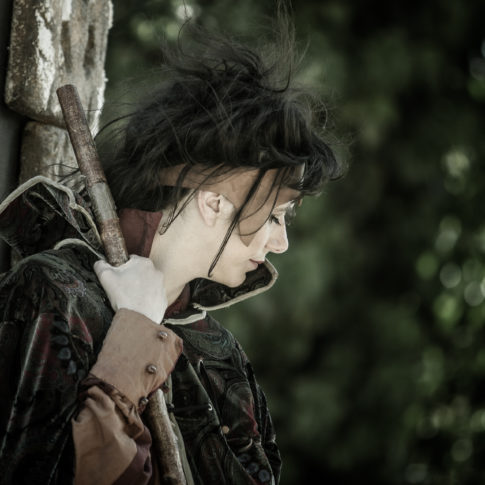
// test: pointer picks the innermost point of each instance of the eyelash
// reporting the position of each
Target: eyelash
(274, 219)
(288, 216)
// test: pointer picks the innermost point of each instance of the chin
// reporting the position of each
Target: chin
(235, 285)
(231, 282)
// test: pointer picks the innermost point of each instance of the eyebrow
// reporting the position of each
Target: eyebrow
(289, 209)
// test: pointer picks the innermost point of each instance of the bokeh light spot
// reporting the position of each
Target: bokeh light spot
(416, 472)
(450, 275)
(477, 421)
(172, 30)
(448, 310)
(426, 265)
(473, 294)
(443, 417)
(184, 12)
(456, 163)
(462, 450)
(449, 232)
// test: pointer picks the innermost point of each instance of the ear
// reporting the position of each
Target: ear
(209, 205)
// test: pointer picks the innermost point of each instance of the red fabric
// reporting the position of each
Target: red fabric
(139, 471)
(180, 304)
(138, 228)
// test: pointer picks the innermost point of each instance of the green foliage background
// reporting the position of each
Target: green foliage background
(370, 345)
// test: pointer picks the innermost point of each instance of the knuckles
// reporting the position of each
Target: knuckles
(136, 284)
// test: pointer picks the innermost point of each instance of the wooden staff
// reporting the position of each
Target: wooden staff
(114, 245)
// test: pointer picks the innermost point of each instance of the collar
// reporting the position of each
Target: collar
(202, 295)
(180, 304)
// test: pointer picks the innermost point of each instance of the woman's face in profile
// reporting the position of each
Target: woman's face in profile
(237, 259)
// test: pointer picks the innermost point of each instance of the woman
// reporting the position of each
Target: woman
(205, 174)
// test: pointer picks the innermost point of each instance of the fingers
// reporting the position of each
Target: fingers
(101, 266)
(136, 285)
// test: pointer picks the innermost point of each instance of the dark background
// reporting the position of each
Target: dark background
(370, 347)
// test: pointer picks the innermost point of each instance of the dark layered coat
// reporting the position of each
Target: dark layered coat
(53, 318)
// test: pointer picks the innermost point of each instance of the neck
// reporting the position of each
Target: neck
(174, 282)
(174, 253)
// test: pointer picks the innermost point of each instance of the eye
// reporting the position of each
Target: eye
(283, 218)
(275, 219)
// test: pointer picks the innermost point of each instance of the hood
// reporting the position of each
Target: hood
(42, 214)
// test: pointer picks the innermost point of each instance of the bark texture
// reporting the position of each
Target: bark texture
(55, 42)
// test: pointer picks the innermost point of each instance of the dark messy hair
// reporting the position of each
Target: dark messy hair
(223, 106)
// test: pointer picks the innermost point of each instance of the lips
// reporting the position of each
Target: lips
(256, 261)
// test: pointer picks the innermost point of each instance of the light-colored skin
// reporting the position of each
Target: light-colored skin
(185, 251)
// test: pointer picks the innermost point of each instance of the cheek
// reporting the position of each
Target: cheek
(259, 240)
(234, 262)
(236, 250)
(237, 255)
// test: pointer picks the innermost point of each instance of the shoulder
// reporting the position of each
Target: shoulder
(56, 289)
(72, 260)
(48, 265)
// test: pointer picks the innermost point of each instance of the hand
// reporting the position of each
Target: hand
(135, 285)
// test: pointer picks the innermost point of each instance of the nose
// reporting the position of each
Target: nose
(278, 239)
